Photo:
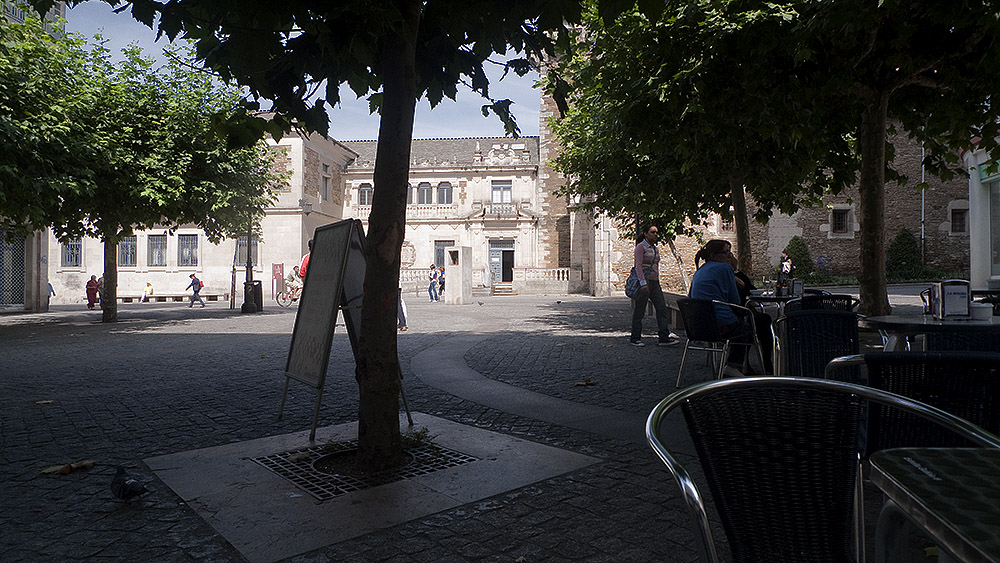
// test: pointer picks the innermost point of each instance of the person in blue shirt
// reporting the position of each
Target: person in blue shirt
(195, 286)
(432, 289)
(715, 279)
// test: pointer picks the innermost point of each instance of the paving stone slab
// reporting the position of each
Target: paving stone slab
(267, 518)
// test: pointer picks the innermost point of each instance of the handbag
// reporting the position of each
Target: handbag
(632, 285)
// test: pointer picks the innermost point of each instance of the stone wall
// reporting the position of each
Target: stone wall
(555, 237)
(946, 251)
(310, 172)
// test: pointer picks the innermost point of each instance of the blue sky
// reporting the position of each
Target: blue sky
(350, 120)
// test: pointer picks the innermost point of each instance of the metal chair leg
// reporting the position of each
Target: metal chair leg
(722, 360)
(680, 372)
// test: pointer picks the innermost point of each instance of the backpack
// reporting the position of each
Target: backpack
(201, 285)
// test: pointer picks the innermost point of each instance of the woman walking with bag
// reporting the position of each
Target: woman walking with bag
(647, 268)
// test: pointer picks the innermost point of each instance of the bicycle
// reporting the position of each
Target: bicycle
(289, 296)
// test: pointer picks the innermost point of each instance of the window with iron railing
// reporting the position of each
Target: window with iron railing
(187, 250)
(840, 221)
(156, 250)
(241, 252)
(128, 252)
(959, 221)
(72, 254)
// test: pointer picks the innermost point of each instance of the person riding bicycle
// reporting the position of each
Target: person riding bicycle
(292, 281)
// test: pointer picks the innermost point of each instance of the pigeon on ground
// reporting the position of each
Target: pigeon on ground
(125, 486)
(480, 303)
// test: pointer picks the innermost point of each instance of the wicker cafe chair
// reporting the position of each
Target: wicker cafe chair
(969, 340)
(808, 291)
(780, 457)
(965, 384)
(805, 341)
(829, 301)
(703, 333)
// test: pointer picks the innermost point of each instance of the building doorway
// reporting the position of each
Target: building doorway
(502, 260)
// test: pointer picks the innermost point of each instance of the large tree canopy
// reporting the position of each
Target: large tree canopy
(45, 120)
(654, 126)
(149, 153)
(664, 121)
(798, 95)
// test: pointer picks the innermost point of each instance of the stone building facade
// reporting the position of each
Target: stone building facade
(501, 198)
(939, 216)
(165, 257)
(482, 193)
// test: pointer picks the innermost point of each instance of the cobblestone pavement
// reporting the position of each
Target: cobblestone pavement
(168, 379)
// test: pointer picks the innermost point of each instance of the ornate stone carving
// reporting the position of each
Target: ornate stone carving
(407, 255)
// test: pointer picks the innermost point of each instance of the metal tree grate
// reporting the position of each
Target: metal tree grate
(297, 467)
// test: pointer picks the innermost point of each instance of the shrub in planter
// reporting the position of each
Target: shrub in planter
(802, 262)
(902, 258)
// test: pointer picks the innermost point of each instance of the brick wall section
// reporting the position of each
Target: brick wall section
(944, 251)
(310, 172)
(336, 180)
(670, 272)
(554, 242)
(282, 165)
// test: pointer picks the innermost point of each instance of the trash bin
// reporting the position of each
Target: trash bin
(253, 296)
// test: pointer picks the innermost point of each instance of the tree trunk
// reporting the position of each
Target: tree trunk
(109, 295)
(680, 265)
(379, 442)
(871, 278)
(743, 251)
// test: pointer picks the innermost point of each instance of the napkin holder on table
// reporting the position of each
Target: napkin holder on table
(949, 299)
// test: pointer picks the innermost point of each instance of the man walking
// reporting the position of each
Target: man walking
(195, 286)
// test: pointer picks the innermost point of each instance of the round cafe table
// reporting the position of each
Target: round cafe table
(902, 328)
(761, 299)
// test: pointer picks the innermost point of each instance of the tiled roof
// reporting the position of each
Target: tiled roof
(434, 153)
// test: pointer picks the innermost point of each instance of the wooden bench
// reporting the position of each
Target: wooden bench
(674, 311)
(175, 297)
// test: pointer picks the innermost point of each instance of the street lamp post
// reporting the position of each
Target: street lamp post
(249, 303)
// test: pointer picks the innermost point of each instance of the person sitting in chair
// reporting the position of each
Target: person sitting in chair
(716, 280)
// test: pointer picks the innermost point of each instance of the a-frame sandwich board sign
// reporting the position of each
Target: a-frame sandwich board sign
(334, 280)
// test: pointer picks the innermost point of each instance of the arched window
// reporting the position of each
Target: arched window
(444, 193)
(409, 194)
(365, 194)
(425, 194)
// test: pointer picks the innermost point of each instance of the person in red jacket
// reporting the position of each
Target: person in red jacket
(304, 266)
(92, 288)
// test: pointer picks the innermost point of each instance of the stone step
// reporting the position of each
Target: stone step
(503, 288)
